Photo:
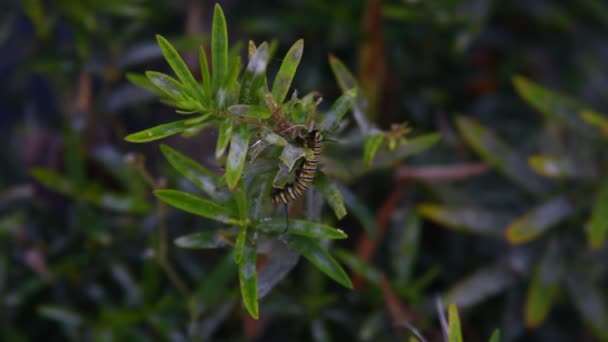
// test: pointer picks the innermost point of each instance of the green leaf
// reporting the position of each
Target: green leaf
(181, 69)
(543, 289)
(205, 74)
(300, 227)
(552, 166)
(360, 210)
(455, 332)
(331, 193)
(343, 76)
(412, 146)
(90, 192)
(143, 82)
(250, 111)
(239, 144)
(495, 336)
(359, 266)
(167, 85)
(319, 257)
(202, 240)
(465, 219)
(499, 154)
(239, 245)
(219, 47)
(539, 220)
(337, 111)
(194, 172)
(165, 130)
(553, 105)
(223, 137)
(404, 247)
(196, 205)
(598, 223)
(595, 119)
(481, 285)
(248, 279)
(287, 71)
(253, 77)
(372, 143)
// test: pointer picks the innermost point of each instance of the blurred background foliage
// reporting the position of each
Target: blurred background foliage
(506, 216)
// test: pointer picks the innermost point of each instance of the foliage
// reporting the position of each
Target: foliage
(483, 117)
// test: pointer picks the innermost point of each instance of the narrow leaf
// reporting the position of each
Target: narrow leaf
(287, 71)
(465, 219)
(202, 240)
(165, 130)
(329, 190)
(61, 315)
(194, 172)
(254, 75)
(250, 111)
(598, 223)
(372, 143)
(316, 255)
(143, 82)
(539, 220)
(248, 279)
(337, 111)
(359, 266)
(300, 227)
(588, 298)
(499, 154)
(223, 137)
(343, 76)
(360, 210)
(413, 146)
(167, 84)
(544, 288)
(495, 336)
(196, 205)
(181, 69)
(455, 332)
(239, 144)
(239, 245)
(219, 47)
(205, 74)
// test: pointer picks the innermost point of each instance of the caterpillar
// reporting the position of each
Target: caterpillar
(304, 174)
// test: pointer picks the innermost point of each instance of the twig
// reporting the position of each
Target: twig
(441, 173)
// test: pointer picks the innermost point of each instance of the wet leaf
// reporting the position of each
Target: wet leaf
(411, 147)
(167, 85)
(319, 257)
(165, 130)
(539, 220)
(404, 247)
(202, 240)
(219, 47)
(142, 81)
(196, 205)
(597, 228)
(239, 143)
(181, 70)
(300, 227)
(499, 154)
(248, 279)
(465, 219)
(329, 190)
(194, 172)
(287, 71)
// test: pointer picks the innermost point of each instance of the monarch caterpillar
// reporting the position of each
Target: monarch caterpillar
(304, 174)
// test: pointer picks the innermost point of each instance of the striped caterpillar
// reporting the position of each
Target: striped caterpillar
(304, 174)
